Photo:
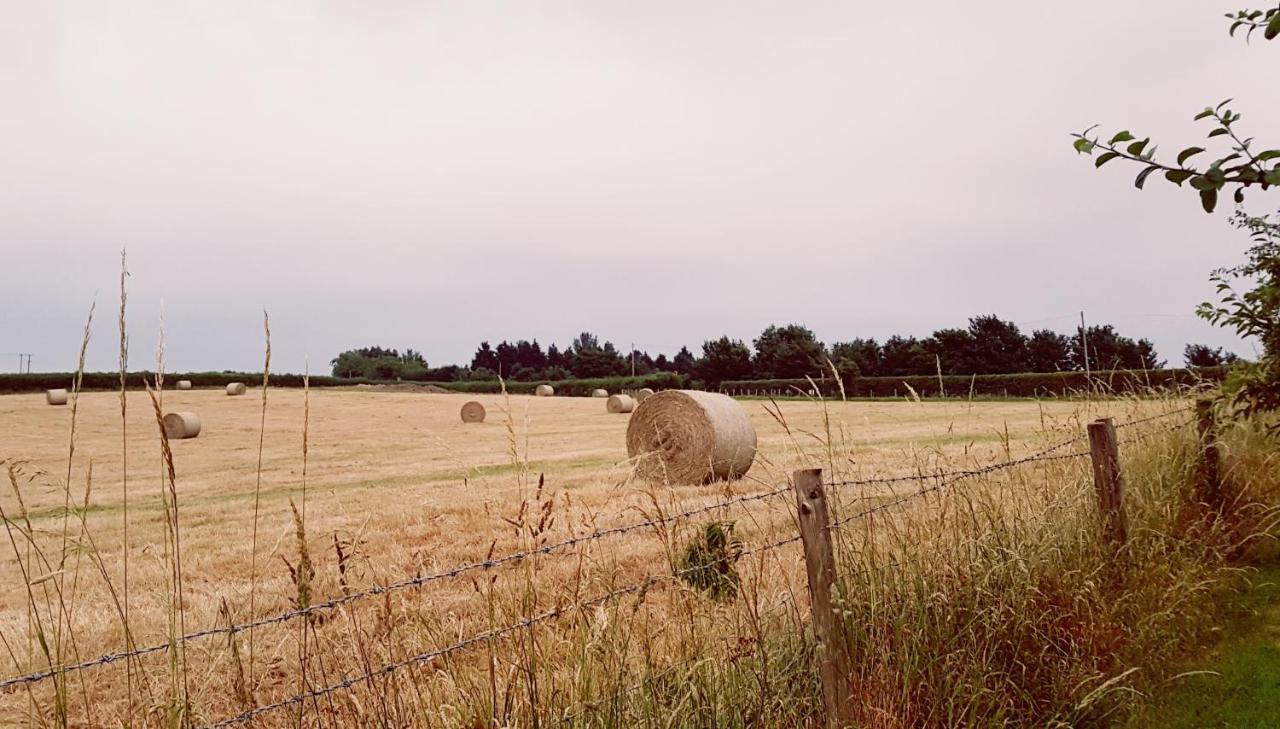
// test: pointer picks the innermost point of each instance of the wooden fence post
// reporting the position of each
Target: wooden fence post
(1208, 470)
(835, 667)
(1107, 480)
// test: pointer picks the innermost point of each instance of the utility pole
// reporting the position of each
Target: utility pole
(633, 359)
(1084, 344)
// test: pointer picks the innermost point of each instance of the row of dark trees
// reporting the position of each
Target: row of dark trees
(989, 345)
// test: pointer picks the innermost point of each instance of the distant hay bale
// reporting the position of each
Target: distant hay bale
(620, 404)
(599, 393)
(472, 412)
(642, 393)
(544, 391)
(236, 388)
(181, 425)
(55, 397)
(689, 436)
(184, 384)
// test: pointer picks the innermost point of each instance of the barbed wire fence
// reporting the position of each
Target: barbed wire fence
(930, 483)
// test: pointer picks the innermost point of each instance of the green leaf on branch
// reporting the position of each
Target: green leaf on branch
(1268, 155)
(1143, 175)
(1136, 148)
(1105, 158)
(1188, 153)
(1202, 183)
(1083, 146)
(1273, 28)
(1218, 132)
(1120, 137)
(1208, 200)
(1208, 112)
(1178, 177)
(1239, 195)
(1272, 177)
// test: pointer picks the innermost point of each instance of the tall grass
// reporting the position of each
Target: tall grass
(257, 491)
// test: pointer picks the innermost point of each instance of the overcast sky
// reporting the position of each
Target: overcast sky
(431, 174)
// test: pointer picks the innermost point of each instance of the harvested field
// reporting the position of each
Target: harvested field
(404, 489)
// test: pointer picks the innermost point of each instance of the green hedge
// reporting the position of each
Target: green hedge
(1047, 384)
(38, 382)
(574, 388)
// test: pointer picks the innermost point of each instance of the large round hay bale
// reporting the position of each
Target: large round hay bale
(55, 397)
(544, 391)
(181, 425)
(236, 388)
(599, 393)
(643, 393)
(472, 412)
(184, 384)
(690, 436)
(620, 404)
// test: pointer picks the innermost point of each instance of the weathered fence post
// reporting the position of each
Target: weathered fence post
(1107, 480)
(835, 667)
(1208, 470)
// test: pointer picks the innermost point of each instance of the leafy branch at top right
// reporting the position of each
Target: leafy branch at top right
(1243, 165)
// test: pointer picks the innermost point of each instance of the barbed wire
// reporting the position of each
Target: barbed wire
(945, 480)
(376, 590)
(954, 478)
(1041, 455)
(1144, 436)
(935, 551)
(1157, 416)
(389, 668)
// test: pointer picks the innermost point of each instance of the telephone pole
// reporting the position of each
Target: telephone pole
(1084, 344)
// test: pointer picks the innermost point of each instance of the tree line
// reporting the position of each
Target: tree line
(988, 345)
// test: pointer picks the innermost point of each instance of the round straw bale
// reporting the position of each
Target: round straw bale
(181, 425)
(184, 384)
(472, 412)
(690, 436)
(544, 391)
(599, 393)
(620, 404)
(235, 388)
(642, 393)
(55, 397)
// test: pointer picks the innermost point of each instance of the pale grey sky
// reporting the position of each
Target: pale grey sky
(428, 175)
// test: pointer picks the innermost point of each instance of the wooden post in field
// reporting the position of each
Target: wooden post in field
(835, 667)
(1107, 480)
(1208, 470)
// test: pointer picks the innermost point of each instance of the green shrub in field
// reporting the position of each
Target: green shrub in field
(709, 562)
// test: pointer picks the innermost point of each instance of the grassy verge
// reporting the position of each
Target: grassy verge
(1237, 682)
